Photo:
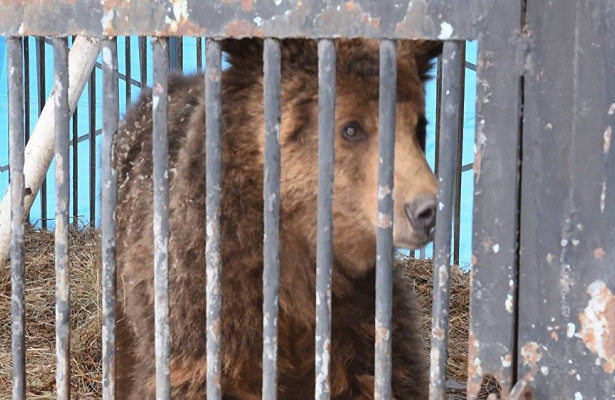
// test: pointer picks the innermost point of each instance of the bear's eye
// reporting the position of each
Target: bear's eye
(353, 132)
(421, 132)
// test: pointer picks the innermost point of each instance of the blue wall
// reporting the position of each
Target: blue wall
(189, 61)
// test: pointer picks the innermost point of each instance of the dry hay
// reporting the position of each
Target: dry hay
(40, 317)
(86, 317)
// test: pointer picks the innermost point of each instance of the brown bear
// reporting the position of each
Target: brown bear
(355, 218)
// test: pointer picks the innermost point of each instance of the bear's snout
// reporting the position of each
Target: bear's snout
(421, 213)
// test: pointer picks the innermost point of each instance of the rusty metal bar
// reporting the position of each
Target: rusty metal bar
(496, 204)
(161, 217)
(180, 53)
(26, 86)
(62, 121)
(109, 201)
(384, 244)
(92, 144)
(370, 18)
(42, 98)
(213, 156)
(75, 153)
(16, 154)
(324, 243)
(459, 154)
(199, 53)
(438, 111)
(143, 60)
(452, 64)
(128, 72)
(271, 198)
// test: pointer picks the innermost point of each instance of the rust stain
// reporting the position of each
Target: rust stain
(475, 373)
(240, 28)
(598, 324)
(373, 22)
(554, 336)
(599, 253)
(476, 166)
(608, 133)
(474, 260)
(247, 5)
(438, 333)
(532, 354)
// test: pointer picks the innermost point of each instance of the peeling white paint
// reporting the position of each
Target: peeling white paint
(383, 191)
(603, 197)
(506, 361)
(544, 370)
(107, 56)
(446, 31)
(570, 329)
(443, 272)
(596, 324)
(180, 9)
(509, 303)
(578, 396)
(496, 248)
(107, 19)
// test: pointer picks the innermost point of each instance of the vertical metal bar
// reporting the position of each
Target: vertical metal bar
(27, 90)
(173, 53)
(384, 245)
(495, 221)
(16, 154)
(42, 93)
(143, 60)
(438, 111)
(109, 201)
(213, 156)
(324, 243)
(452, 62)
(128, 72)
(75, 171)
(161, 217)
(459, 155)
(271, 197)
(92, 143)
(199, 53)
(62, 120)
(180, 53)
(26, 85)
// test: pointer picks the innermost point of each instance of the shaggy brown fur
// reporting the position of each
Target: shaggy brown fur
(355, 198)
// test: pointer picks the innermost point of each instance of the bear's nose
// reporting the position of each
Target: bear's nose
(421, 213)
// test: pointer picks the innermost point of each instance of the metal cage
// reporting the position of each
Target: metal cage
(542, 305)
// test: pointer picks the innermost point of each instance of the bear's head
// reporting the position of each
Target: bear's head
(355, 194)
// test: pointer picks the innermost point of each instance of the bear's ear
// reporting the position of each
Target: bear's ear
(423, 51)
(247, 54)
(244, 54)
